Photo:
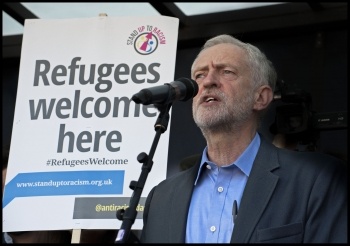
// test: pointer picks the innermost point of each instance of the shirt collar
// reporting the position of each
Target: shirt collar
(244, 162)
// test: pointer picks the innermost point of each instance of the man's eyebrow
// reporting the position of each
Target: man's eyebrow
(201, 68)
(217, 66)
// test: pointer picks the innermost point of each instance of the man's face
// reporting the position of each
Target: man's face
(225, 95)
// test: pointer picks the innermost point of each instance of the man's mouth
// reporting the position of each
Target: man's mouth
(210, 99)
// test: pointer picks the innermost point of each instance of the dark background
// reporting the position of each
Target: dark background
(307, 42)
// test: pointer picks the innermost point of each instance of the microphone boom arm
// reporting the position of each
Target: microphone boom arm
(129, 214)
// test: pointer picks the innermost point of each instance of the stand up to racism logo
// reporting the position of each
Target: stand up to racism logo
(146, 39)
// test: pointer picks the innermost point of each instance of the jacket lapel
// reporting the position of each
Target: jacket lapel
(259, 188)
(180, 205)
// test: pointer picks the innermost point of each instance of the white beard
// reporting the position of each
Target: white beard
(227, 116)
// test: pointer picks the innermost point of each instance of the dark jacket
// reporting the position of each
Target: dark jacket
(290, 197)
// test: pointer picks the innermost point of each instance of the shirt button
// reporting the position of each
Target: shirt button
(208, 166)
(212, 228)
(220, 189)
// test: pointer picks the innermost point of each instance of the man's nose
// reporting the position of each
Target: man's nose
(212, 79)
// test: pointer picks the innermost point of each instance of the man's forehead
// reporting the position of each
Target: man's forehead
(219, 56)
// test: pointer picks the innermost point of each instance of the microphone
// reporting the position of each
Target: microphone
(181, 89)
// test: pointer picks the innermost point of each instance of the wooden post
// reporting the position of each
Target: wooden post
(76, 233)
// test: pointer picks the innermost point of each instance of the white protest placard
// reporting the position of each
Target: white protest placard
(76, 132)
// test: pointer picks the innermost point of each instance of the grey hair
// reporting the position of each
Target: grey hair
(263, 71)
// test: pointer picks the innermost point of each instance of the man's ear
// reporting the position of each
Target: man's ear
(263, 97)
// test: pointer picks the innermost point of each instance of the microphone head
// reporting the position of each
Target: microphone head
(181, 89)
(140, 97)
(191, 88)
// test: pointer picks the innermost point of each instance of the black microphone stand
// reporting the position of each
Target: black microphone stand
(129, 214)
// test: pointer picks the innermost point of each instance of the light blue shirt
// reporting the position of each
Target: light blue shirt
(210, 218)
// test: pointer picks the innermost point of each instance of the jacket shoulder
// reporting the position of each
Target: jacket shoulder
(189, 161)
